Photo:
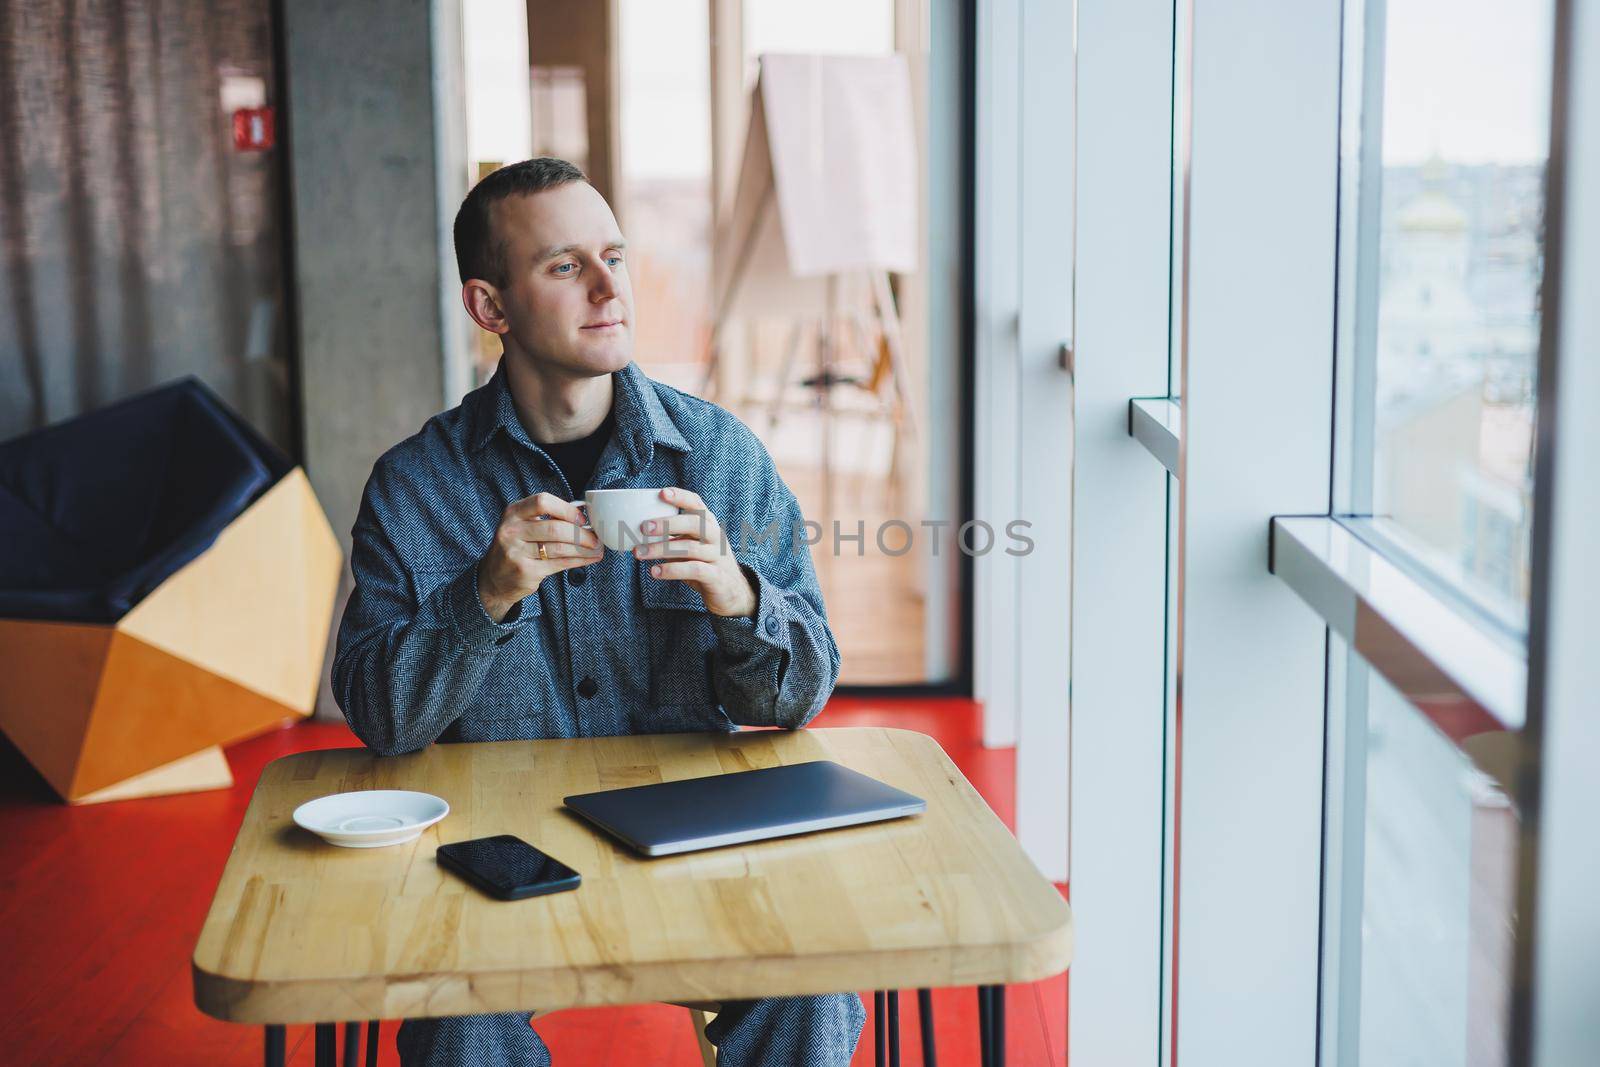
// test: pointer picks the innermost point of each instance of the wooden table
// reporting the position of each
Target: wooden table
(304, 932)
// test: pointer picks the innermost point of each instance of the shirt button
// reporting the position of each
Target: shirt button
(588, 688)
(577, 576)
(772, 626)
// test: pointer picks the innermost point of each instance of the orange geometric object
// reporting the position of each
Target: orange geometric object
(229, 646)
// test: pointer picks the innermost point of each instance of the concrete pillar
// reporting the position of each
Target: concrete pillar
(371, 208)
(375, 133)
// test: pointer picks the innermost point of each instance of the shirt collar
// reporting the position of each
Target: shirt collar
(641, 420)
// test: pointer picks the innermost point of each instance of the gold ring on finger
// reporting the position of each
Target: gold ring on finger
(544, 553)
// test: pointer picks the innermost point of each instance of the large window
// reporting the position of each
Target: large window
(1446, 142)
(1442, 204)
(1380, 330)
(841, 365)
(1424, 886)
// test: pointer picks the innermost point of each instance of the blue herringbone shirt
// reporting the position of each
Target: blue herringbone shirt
(599, 650)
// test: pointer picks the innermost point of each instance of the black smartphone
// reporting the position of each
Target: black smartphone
(507, 867)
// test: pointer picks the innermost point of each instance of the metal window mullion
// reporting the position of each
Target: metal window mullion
(1360, 209)
(1344, 857)
(1429, 649)
(1157, 424)
(1558, 970)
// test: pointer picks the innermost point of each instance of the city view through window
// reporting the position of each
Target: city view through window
(1460, 260)
(1445, 346)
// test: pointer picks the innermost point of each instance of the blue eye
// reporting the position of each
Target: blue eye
(566, 268)
(614, 260)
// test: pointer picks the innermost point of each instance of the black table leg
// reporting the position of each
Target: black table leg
(985, 1027)
(894, 1028)
(274, 1046)
(352, 1045)
(327, 1045)
(930, 1058)
(880, 1029)
(372, 1043)
(997, 1020)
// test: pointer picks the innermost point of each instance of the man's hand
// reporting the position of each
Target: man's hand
(514, 565)
(698, 555)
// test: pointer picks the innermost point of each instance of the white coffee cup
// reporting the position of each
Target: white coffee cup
(615, 515)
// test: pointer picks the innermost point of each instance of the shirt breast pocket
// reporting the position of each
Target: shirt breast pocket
(682, 643)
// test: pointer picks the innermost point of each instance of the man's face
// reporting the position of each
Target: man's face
(567, 300)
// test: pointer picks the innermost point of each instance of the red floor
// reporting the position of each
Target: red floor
(100, 907)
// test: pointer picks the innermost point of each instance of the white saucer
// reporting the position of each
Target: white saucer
(371, 818)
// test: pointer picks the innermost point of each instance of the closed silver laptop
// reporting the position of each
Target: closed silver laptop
(729, 809)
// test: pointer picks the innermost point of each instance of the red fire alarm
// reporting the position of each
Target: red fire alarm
(252, 129)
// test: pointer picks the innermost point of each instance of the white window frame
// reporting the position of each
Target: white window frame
(1253, 321)
(1427, 640)
(1254, 286)
(1257, 386)
(1120, 531)
(1023, 447)
(996, 442)
(1156, 422)
(1555, 1023)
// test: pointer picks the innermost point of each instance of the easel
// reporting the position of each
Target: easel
(791, 234)
(889, 363)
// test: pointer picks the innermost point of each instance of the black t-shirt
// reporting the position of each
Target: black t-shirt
(577, 459)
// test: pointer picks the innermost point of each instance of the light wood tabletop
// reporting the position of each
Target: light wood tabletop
(301, 931)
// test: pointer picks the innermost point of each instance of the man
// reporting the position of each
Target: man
(483, 611)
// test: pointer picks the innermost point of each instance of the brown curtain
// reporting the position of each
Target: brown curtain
(138, 244)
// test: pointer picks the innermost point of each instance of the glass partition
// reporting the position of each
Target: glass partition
(1423, 868)
(1446, 140)
(1443, 153)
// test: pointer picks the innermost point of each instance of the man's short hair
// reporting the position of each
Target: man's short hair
(480, 252)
